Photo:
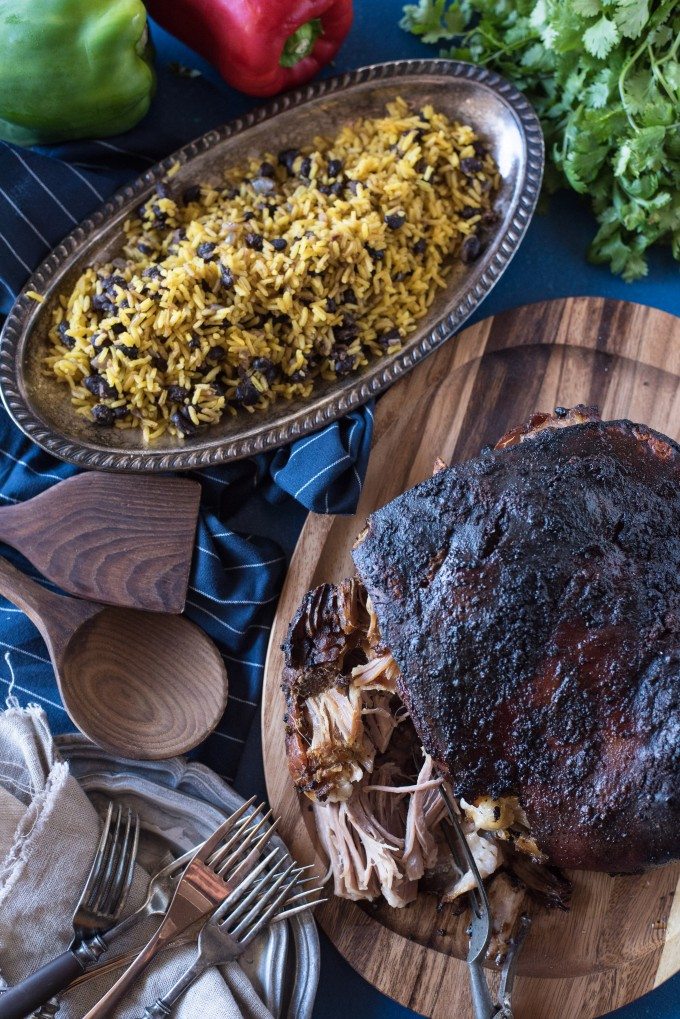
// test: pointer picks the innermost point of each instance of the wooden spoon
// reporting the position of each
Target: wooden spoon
(139, 684)
(107, 537)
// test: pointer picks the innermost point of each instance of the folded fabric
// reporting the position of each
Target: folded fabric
(49, 832)
(238, 570)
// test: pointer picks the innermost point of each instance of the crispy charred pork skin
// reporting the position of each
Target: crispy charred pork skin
(531, 599)
(325, 740)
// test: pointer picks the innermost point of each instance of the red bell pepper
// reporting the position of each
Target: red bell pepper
(259, 46)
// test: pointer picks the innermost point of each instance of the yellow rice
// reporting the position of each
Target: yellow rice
(170, 339)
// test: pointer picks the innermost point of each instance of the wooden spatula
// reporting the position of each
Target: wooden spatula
(111, 538)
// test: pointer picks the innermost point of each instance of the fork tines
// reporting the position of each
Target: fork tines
(111, 873)
(260, 894)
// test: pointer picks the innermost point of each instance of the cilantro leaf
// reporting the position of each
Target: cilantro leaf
(433, 20)
(601, 37)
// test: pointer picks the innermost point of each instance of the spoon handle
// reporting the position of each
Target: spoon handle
(56, 616)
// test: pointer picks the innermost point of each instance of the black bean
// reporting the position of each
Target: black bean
(331, 305)
(130, 350)
(183, 423)
(162, 189)
(255, 241)
(279, 244)
(145, 249)
(265, 367)
(247, 216)
(420, 247)
(338, 188)
(226, 277)
(305, 167)
(376, 253)
(470, 165)
(395, 220)
(470, 249)
(267, 170)
(387, 339)
(194, 342)
(114, 281)
(205, 250)
(468, 211)
(191, 194)
(100, 340)
(100, 302)
(349, 297)
(123, 304)
(117, 328)
(263, 185)
(65, 337)
(347, 331)
(343, 363)
(480, 149)
(420, 166)
(218, 387)
(287, 157)
(177, 394)
(98, 386)
(152, 272)
(206, 286)
(160, 217)
(120, 412)
(160, 362)
(215, 355)
(246, 394)
(334, 167)
(103, 415)
(324, 189)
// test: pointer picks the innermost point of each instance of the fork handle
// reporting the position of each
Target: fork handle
(51, 978)
(162, 1007)
(106, 1005)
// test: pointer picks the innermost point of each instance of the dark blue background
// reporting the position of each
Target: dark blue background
(551, 263)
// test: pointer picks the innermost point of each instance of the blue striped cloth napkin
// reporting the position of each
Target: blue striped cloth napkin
(250, 511)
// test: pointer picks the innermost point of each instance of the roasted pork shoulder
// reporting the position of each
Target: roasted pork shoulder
(531, 599)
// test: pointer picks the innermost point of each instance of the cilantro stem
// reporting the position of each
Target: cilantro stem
(622, 77)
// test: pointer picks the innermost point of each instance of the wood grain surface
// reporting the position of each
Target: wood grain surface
(111, 538)
(622, 936)
(144, 685)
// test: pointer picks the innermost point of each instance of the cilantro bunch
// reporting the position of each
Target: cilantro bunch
(604, 77)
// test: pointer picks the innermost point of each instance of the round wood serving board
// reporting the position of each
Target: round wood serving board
(622, 936)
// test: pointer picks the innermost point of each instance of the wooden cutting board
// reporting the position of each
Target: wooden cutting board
(622, 936)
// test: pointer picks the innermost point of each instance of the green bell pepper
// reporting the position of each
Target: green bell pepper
(72, 69)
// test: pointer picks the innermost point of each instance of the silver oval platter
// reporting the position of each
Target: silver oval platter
(496, 110)
(179, 803)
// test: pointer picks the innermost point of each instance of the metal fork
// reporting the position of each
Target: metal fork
(163, 884)
(480, 927)
(101, 902)
(201, 888)
(234, 924)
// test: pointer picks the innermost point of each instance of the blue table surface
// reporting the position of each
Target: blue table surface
(550, 263)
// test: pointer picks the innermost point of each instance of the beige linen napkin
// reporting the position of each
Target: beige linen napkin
(49, 831)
